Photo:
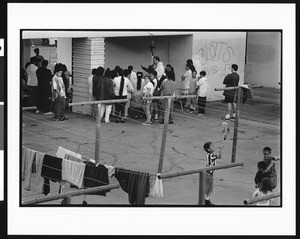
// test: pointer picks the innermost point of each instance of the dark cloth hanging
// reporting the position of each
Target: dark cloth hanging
(246, 93)
(51, 170)
(95, 176)
(136, 184)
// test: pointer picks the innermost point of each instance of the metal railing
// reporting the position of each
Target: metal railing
(68, 195)
(202, 177)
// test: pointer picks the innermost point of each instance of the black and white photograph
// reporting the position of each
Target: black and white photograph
(175, 122)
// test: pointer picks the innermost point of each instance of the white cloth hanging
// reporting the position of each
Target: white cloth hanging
(61, 153)
(73, 172)
(156, 187)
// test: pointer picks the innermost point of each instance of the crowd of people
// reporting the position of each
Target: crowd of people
(155, 80)
(48, 94)
(46, 90)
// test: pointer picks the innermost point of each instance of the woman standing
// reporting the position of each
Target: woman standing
(122, 86)
(138, 85)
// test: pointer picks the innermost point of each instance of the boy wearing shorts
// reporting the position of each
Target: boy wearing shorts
(231, 80)
(210, 162)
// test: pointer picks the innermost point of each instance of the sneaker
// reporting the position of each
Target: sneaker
(62, 118)
(146, 123)
(208, 203)
(161, 122)
(107, 121)
(171, 122)
(55, 118)
(233, 116)
(227, 117)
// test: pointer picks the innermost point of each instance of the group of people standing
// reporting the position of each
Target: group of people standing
(118, 84)
(46, 90)
(157, 80)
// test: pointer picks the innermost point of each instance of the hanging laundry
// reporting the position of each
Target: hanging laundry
(86, 159)
(246, 93)
(39, 158)
(73, 172)
(61, 153)
(156, 187)
(28, 156)
(51, 170)
(111, 170)
(136, 184)
(95, 176)
(72, 158)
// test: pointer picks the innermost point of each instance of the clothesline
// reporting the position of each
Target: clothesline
(119, 173)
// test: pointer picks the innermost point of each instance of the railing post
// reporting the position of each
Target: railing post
(202, 179)
(236, 125)
(68, 200)
(164, 136)
(97, 140)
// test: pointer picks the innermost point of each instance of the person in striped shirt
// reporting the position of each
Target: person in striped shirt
(210, 162)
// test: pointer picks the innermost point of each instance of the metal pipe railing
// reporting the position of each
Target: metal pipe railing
(262, 198)
(68, 195)
(193, 171)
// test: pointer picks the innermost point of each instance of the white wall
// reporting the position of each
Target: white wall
(214, 52)
(263, 63)
(64, 52)
(181, 48)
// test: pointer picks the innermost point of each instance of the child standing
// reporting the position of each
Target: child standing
(147, 92)
(264, 189)
(59, 94)
(270, 161)
(210, 161)
(202, 92)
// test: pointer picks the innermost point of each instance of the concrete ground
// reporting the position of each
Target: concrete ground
(136, 147)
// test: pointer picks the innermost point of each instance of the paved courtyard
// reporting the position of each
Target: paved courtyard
(136, 147)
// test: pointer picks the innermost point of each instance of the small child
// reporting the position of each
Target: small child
(261, 173)
(265, 188)
(210, 161)
(270, 161)
(59, 94)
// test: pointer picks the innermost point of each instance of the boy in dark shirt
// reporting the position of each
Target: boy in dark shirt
(231, 80)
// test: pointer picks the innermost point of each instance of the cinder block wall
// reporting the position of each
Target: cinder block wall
(263, 61)
(88, 53)
(215, 52)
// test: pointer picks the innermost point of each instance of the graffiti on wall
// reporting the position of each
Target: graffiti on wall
(215, 58)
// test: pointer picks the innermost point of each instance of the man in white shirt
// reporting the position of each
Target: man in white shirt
(159, 67)
(32, 81)
(202, 92)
